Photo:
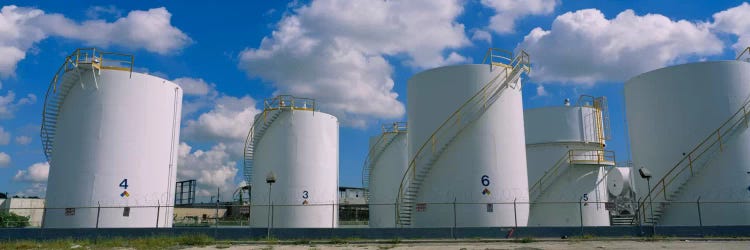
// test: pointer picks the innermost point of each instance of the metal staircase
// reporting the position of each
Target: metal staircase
(572, 157)
(388, 135)
(272, 109)
(510, 69)
(65, 79)
(673, 182)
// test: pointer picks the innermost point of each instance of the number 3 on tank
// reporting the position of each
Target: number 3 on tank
(124, 183)
(304, 194)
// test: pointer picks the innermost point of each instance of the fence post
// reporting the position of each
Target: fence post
(700, 217)
(453, 230)
(158, 210)
(515, 214)
(98, 210)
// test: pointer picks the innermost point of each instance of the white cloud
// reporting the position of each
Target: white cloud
(211, 169)
(195, 86)
(23, 140)
(540, 91)
(508, 11)
(585, 47)
(329, 51)
(22, 27)
(95, 12)
(228, 121)
(735, 21)
(481, 35)
(8, 105)
(4, 160)
(37, 172)
(4, 136)
(34, 189)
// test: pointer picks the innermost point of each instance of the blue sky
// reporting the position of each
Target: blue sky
(354, 57)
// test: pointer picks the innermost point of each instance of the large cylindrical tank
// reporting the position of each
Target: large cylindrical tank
(480, 170)
(300, 146)
(670, 112)
(114, 156)
(566, 166)
(388, 164)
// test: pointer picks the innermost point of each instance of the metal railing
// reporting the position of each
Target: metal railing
(471, 109)
(601, 124)
(745, 52)
(53, 98)
(686, 166)
(289, 102)
(572, 157)
(353, 216)
(388, 134)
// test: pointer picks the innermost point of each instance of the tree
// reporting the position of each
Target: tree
(9, 219)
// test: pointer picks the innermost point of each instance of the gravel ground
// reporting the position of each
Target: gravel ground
(588, 244)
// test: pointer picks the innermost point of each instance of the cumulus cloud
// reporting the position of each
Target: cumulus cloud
(326, 50)
(4, 136)
(229, 120)
(37, 172)
(211, 169)
(4, 160)
(508, 11)
(540, 91)
(34, 189)
(8, 103)
(585, 47)
(23, 140)
(95, 12)
(735, 21)
(481, 35)
(22, 27)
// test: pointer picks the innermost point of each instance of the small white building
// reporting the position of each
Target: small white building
(28, 207)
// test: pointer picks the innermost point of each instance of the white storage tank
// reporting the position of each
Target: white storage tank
(688, 126)
(298, 146)
(111, 136)
(387, 160)
(465, 137)
(567, 163)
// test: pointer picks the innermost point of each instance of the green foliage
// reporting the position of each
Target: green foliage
(8, 219)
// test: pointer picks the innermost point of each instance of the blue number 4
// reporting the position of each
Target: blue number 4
(124, 183)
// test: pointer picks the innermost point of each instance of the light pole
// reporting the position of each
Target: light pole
(646, 174)
(270, 179)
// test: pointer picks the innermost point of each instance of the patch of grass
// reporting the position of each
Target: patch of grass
(195, 240)
(396, 240)
(386, 247)
(301, 242)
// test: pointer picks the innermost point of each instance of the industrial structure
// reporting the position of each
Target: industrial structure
(567, 163)
(385, 164)
(464, 142)
(292, 163)
(688, 127)
(111, 137)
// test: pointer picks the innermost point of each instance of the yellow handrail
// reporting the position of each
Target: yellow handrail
(387, 130)
(96, 58)
(746, 51)
(573, 156)
(687, 161)
(519, 62)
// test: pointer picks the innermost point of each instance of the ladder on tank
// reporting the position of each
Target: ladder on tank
(673, 182)
(510, 71)
(388, 135)
(65, 78)
(272, 109)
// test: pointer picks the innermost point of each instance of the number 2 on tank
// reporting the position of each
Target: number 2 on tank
(124, 184)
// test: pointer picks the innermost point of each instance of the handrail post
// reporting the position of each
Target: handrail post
(664, 189)
(721, 146)
(690, 162)
(744, 112)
